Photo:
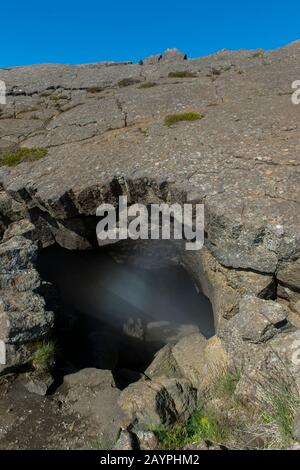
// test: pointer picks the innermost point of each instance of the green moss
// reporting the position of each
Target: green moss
(127, 82)
(95, 89)
(171, 119)
(44, 355)
(148, 85)
(182, 74)
(24, 154)
(58, 97)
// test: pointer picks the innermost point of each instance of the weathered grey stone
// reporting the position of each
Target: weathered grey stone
(267, 366)
(134, 328)
(20, 280)
(287, 293)
(289, 274)
(259, 320)
(16, 254)
(252, 216)
(152, 59)
(225, 287)
(146, 440)
(23, 314)
(23, 317)
(173, 55)
(200, 360)
(38, 382)
(23, 228)
(296, 306)
(163, 364)
(296, 427)
(113, 141)
(124, 442)
(89, 377)
(161, 401)
(91, 393)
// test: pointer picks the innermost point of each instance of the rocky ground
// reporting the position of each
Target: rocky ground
(98, 131)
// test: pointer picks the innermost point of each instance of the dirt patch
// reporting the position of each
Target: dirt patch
(29, 421)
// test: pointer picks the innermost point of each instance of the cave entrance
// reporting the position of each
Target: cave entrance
(116, 316)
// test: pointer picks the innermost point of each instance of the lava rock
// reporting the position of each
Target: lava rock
(124, 442)
(91, 393)
(146, 440)
(259, 320)
(199, 360)
(159, 401)
(38, 382)
(163, 364)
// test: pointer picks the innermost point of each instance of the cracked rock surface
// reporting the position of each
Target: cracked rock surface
(104, 133)
(102, 125)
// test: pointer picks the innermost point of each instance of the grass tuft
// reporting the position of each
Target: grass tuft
(101, 444)
(127, 82)
(182, 74)
(172, 438)
(279, 400)
(206, 423)
(171, 119)
(148, 85)
(266, 422)
(44, 356)
(55, 98)
(225, 384)
(15, 157)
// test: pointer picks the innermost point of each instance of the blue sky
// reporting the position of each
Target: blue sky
(88, 31)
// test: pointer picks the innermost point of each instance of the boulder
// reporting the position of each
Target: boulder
(289, 274)
(200, 360)
(163, 364)
(23, 317)
(259, 320)
(270, 365)
(92, 394)
(173, 54)
(17, 253)
(159, 401)
(124, 442)
(38, 382)
(225, 287)
(23, 228)
(88, 378)
(255, 324)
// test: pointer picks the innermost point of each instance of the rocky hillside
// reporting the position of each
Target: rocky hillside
(221, 130)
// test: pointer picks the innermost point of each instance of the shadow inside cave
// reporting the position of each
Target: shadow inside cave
(117, 316)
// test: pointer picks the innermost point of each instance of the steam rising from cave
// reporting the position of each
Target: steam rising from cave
(116, 315)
